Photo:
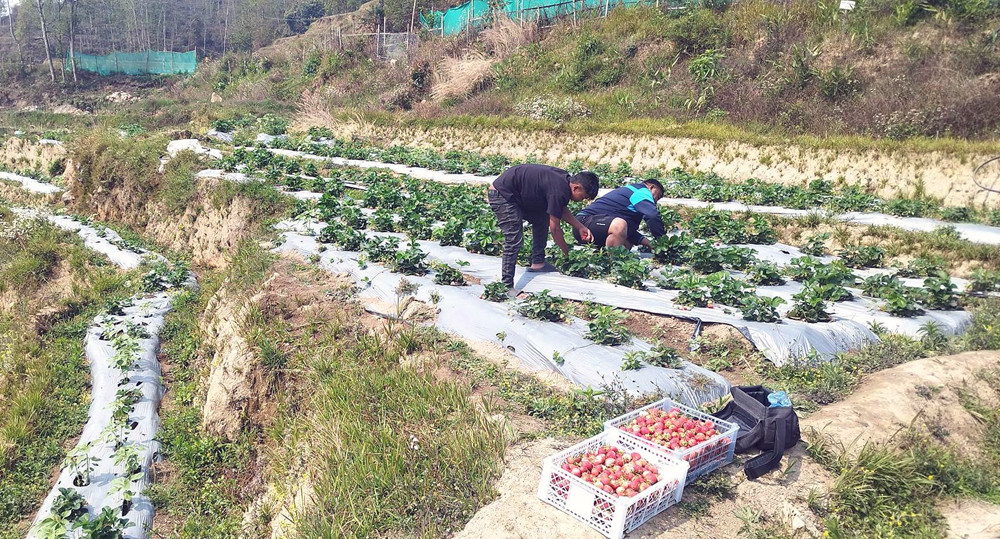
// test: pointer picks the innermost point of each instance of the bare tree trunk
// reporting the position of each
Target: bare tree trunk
(45, 40)
(72, 37)
(225, 32)
(10, 23)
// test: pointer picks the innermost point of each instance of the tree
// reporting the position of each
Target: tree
(45, 39)
(10, 25)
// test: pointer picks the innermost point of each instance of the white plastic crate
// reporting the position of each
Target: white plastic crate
(612, 516)
(713, 453)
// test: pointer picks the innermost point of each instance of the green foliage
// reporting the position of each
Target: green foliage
(410, 261)
(810, 303)
(447, 275)
(452, 232)
(607, 326)
(632, 361)
(627, 269)
(670, 248)
(664, 356)
(272, 125)
(496, 291)
(761, 309)
(765, 274)
(543, 306)
(815, 245)
(381, 249)
(593, 64)
(939, 293)
(862, 256)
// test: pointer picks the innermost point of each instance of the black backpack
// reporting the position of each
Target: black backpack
(771, 430)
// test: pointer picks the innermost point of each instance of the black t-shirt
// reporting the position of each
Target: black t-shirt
(536, 189)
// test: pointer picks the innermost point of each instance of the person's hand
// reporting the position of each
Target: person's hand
(585, 235)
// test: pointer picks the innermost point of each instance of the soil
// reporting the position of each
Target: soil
(938, 174)
(924, 393)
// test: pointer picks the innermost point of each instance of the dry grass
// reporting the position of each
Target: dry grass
(505, 36)
(457, 77)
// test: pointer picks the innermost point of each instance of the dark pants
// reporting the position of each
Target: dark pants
(511, 219)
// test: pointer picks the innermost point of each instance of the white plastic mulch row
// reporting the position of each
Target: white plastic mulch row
(779, 342)
(976, 233)
(31, 184)
(534, 342)
(105, 242)
(143, 421)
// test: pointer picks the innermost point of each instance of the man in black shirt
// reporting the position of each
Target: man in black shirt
(537, 194)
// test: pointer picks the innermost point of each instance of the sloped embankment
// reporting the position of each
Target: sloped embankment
(121, 181)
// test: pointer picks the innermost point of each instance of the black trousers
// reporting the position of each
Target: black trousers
(511, 219)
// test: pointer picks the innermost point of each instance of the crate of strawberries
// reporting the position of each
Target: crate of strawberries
(611, 483)
(671, 429)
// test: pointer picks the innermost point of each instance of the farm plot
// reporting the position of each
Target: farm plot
(715, 267)
(100, 488)
(847, 203)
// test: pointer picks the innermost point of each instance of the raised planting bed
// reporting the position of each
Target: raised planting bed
(565, 485)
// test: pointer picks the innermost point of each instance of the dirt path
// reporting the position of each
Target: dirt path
(889, 173)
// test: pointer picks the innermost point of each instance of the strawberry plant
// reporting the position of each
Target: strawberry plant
(447, 275)
(670, 249)
(607, 326)
(877, 286)
(580, 262)
(383, 220)
(664, 356)
(670, 278)
(921, 267)
(627, 269)
(899, 302)
(632, 361)
(765, 274)
(693, 292)
(704, 257)
(613, 470)
(862, 256)
(381, 249)
(410, 261)
(983, 280)
(69, 504)
(810, 305)
(352, 217)
(939, 293)
(543, 306)
(496, 292)
(126, 352)
(452, 232)
(724, 289)
(761, 309)
(345, 238)
(484, 238)
(815, 245)
(106, 525)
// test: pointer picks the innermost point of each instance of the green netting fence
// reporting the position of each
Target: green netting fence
(473, 13)
(137, 63)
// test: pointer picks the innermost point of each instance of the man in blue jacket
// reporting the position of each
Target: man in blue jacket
(614, 218)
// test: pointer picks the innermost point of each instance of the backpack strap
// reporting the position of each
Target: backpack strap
(768, 460)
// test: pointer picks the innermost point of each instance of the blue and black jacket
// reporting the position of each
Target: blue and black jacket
(633, 203)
